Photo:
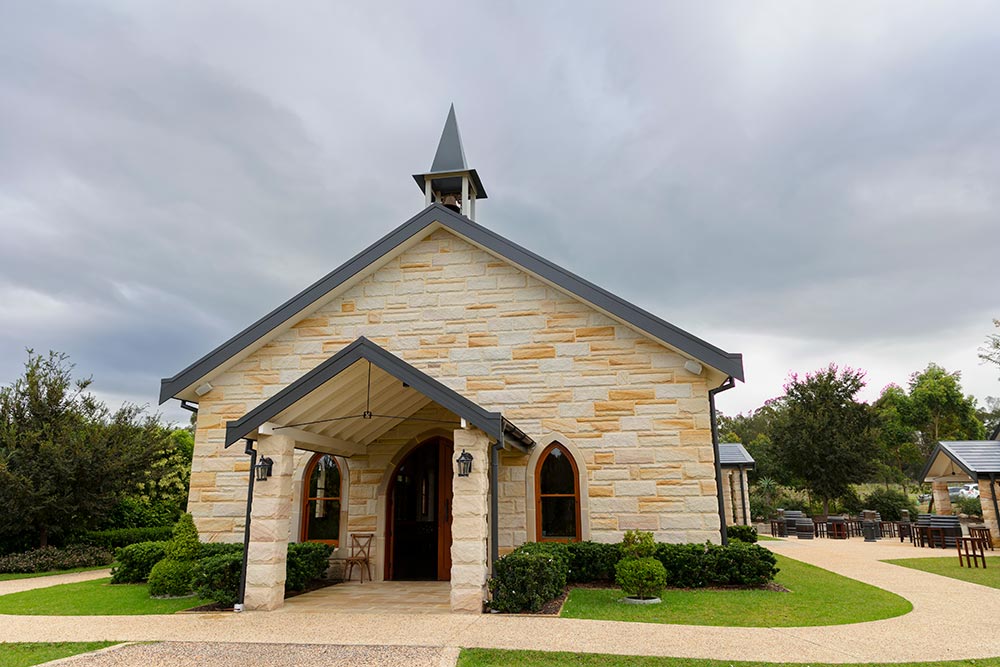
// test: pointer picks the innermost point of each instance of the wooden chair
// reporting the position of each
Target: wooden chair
(970, 550)
(935, 537)
(982, 533)
(361, 547)
(837, 529)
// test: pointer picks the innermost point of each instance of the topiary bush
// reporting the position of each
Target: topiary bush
(217, 577)
(134, 562)
(171, 578)
(47, 559)
(525, 580)
(122, 537)
(306, 561)
(637, 544)
(888, 503)
(592, 561)
(641, 578)
(683, 563)
(746, 534)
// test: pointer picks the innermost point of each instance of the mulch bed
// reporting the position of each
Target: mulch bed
(314, 585)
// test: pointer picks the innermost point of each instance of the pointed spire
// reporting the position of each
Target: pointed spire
(450, 155)
(450, 181)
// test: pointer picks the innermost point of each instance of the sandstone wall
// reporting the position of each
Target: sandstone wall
(510, 343)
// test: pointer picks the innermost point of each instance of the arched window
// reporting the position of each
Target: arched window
(557, 494)
(321, 502)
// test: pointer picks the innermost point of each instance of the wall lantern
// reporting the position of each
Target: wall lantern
(264, 468)
(464, 464)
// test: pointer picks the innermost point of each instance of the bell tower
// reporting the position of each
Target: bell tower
(450, 181)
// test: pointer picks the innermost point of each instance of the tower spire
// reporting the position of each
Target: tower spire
(450, 181)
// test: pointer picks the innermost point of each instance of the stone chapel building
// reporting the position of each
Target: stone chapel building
(584, 415)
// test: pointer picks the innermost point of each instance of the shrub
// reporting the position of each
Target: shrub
(557, 551)
(122, 537)
(525, 580)
(132, 512)
(700, 565)
(184, 545)
(172, 578)
(637, 544)
(217, 577)
(683, 563)
(970, 506)
(306, 561)
(592, 561)
(641, 578)
(747, 534)
(134, 562)
(46, 559)
(208, 549)
(888, 502)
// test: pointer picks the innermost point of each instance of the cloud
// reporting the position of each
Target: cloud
(803, 183)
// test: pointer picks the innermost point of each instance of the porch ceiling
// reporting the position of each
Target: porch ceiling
(335, 409)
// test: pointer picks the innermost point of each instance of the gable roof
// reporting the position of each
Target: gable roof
(733, 455)
(492, 423)
(974, 457)
(437, 214)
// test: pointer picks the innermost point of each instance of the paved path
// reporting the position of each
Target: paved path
(193, 654)
(937, 629)
(31, 583)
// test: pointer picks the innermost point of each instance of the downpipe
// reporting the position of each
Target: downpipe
(241, 594)
(728, 384)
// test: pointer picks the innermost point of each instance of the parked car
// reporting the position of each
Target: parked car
(924, 498)
(969, 491)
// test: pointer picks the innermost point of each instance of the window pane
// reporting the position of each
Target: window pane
(559, 517)
(557, 473)
(325, 479)
(324, 520)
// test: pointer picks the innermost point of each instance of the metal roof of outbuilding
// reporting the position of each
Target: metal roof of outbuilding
(974, 457)
(733, 455)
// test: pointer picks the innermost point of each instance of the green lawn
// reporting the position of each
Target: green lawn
(767, 538)
(92, 598)
(22, 655)
(479, 657)
(31, 575)
(816, 597)
(949, 567)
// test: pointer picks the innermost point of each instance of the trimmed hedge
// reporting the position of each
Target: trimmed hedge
(746, 534)
(525, 580)
(701, 565)
(134, 562)
(592, 562)
(306, 561)
(217, 577)
(46, 559)
(122, 537)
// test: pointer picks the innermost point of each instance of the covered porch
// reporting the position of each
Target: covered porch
(390, 435)
(966, 461)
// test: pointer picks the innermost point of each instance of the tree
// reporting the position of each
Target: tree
(939, 410)
(753, 430)
(65, 458)
(989, 414)
(991, 350)
(899, 456)
(822, 434)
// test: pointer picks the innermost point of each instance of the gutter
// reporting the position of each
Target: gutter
(743, 497)
(495, 499)
(728, 384)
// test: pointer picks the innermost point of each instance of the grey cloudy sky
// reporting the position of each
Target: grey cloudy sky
(800, 182)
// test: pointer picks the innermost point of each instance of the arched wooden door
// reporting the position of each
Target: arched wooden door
(418, 514)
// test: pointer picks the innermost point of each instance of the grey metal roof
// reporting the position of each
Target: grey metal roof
(726, 362)
(450, 158)
(974, 457)
(491, 423)
(733, 455)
